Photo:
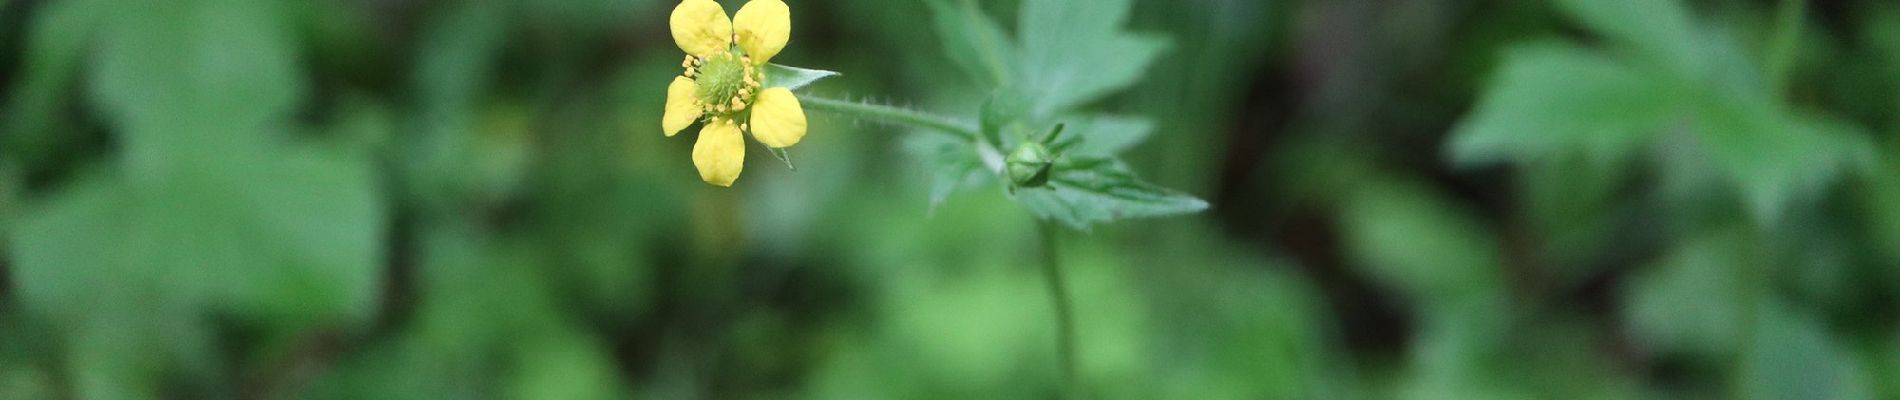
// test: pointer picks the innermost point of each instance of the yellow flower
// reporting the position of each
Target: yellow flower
(722, 84)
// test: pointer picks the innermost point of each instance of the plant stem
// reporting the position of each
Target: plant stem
(889, 114)
(1064, 310)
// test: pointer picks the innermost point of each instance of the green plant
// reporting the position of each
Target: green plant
(1033, 139)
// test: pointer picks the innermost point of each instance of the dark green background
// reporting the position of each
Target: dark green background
(1431, 199)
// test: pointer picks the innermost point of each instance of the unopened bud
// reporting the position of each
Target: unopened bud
(1029, 165)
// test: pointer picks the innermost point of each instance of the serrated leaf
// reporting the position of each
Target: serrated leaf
(1101, 135)
(974, 42)
(1550, 98)
(1003, 114)
(1084, 192)
(1075, 52)
(953, 166)
(793, 78)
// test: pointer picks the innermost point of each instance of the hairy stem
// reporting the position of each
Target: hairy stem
(1064, 310)
(890, 115)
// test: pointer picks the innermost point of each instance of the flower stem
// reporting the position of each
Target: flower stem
(890, 115)
(1064, 310)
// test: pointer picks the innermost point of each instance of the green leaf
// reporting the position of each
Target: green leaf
(205, 211)
(1101, 135)
(565, 366)
(1880, 202)
(55, 257)
(1692, 301)
(451, 74)
(793, 78)
(952, 165)
(1550, 98)
(182, 77)
(11, 189)
(56, 47)
(1576, 204)
(1794, 357)
(1773, 157)
(286, 238)
(974, 42)
(1409, 238)
(1084, 192)
(1003, 115)
(1075, 52)
(1660, 31)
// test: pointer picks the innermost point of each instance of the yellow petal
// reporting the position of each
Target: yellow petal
(777, 119)
(763, 26)
(700, 27)
(720, 153)
(681, 111)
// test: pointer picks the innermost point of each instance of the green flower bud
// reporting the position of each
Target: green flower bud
(1029, 165)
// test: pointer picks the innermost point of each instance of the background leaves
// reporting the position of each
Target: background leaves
(1421, 199)
(1070, 54)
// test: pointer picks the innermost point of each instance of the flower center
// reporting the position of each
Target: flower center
(725, 83)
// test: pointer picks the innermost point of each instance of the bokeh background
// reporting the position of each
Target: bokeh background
(1418, 199)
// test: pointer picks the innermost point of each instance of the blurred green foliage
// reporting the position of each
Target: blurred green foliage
(1431, 199)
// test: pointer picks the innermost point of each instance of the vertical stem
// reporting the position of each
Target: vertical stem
(1064, 310)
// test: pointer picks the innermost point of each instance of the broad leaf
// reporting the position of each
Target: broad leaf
(204, 211)
(1004, 115)
(184, 77)
(1691, 301)
(952, 165)
(974, 42)
(1101, 135)
(1880, 202)
(1083, 192)
(793, 78)
(1793, 356)
(288, 238)
(11, 189)
(1409, 239)
(1660, 31)
(1775, 158)
(57, 42)
(1075, 52)
(1551, 98)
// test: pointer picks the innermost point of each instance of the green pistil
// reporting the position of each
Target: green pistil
(720, 78)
